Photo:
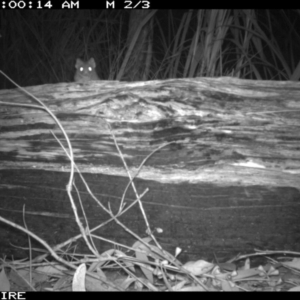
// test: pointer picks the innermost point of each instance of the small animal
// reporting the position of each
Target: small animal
(85, 71)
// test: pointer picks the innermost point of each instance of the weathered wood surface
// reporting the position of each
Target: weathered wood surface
(223, 131)
(226, 181)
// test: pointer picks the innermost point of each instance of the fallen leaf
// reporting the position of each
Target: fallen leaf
(198, 267)
(198, 288)
(295, 263)
(79, 279)
(295, 289)
(52, 269)
(4, 282)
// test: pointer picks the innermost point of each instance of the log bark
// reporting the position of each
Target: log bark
(222, 131)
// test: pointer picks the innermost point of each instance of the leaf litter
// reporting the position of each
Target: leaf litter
(144, 270)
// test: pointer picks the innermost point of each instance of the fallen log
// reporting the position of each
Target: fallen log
(224, 152)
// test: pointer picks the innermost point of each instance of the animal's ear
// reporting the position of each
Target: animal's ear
(92, 62)
(79, 62)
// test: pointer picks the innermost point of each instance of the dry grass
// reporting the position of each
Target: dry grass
(38, 47)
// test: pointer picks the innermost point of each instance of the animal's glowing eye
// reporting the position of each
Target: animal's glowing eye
(81, 69)
(90, 69)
